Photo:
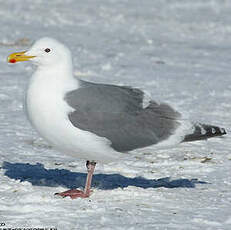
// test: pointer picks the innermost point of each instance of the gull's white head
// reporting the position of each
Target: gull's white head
(45, 51)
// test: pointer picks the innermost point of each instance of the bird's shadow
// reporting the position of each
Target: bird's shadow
(40, 176)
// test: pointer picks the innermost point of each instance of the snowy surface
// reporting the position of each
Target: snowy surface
(179, 52)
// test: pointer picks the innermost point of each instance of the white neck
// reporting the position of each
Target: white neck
(58, 77)
(46, 90)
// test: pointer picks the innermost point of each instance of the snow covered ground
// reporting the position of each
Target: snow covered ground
(180, 52)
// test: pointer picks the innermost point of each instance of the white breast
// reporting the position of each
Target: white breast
(48, 113)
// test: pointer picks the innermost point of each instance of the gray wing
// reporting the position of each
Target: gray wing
(117, 113)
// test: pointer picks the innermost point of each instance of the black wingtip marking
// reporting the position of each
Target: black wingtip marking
(203, 131)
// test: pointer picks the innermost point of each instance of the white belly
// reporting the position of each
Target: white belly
(48, 113)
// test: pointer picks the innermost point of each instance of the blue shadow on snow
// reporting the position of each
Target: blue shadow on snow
(38, 175)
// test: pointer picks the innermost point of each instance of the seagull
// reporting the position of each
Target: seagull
(96, 122)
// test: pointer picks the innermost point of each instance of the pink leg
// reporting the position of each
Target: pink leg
(75, 193)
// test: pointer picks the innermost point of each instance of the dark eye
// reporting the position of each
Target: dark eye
(47, 50)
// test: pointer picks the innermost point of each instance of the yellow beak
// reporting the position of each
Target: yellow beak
(16, 57)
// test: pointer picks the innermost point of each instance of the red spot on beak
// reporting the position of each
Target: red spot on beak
(12, 60)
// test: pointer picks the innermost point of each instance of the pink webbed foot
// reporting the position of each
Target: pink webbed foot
(73, 194)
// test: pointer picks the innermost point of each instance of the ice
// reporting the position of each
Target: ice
(179, 52)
